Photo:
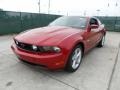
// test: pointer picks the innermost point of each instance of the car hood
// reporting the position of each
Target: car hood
(46, 35)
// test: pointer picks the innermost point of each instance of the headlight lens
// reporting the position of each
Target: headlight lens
(51, 49)
(57, 49)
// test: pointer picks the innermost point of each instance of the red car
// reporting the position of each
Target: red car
(61, 44)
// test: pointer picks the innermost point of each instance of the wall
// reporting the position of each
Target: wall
(111, 23)
(15, 22)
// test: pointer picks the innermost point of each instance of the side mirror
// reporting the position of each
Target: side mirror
(93, 26)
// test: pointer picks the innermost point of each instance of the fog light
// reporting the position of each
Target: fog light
(34, 47)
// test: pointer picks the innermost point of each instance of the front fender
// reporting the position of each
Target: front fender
(69, 43)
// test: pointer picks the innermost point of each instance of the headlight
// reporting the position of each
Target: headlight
(57, 49)
(51, 49)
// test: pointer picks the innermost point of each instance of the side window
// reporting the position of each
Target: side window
(93, 21)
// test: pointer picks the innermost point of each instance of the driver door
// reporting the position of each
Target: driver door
(91, 37)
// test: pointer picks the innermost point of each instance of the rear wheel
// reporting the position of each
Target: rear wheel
(102, 42)
(74, 59)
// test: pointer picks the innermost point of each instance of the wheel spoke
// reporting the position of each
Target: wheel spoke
(74, 64)
(79, 54)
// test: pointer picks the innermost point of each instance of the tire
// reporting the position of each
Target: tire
(75, 59)
(101, 43)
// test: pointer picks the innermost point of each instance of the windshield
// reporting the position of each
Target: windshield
(70, 21)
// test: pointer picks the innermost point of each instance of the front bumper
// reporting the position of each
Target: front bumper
(51, 61)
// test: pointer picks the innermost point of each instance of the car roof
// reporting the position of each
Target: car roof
(88, 17)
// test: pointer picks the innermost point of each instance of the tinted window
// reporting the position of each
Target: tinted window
(70, 21)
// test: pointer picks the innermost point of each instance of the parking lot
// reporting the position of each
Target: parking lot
(100, 70)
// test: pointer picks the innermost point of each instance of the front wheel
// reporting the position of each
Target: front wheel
(74, 59)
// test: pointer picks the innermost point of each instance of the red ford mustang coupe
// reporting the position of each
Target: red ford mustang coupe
(61, 44)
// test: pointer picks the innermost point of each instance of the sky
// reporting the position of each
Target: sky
(65, 7)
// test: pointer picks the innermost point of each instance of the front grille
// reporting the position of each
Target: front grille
(24, 46)
(27, 47)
